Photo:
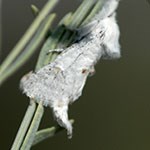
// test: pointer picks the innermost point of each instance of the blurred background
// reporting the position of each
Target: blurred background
(114, 111)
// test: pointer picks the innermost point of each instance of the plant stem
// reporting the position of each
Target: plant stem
(30, 49)
(35, 10)
(47, 133)
(24, 126)
(33, 128)
(95, 9)
(28, 35)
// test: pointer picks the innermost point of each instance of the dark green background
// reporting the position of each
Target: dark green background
(114, 111)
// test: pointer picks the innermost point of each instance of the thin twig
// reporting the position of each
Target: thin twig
(47, 133)
(95, 9)
(28, 35)
(24, 126)
(33, 128)
(30, 49)
(35, 10)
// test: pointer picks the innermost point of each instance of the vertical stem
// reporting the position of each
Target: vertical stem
(24, 126)
(33, 128)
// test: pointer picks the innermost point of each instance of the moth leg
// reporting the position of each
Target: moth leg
(60, 111)
(55, 51)
(92, 71)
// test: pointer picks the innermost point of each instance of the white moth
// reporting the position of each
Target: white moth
(61, 82)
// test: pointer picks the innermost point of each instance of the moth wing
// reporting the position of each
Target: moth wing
(38, 85)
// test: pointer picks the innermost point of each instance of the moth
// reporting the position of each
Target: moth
(61, 82)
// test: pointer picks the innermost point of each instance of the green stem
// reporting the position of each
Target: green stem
(28, 35)
(35, 10)
(24, 126)
(79, 15)
(30, 49)
(95, 9)
(47, 133)
(33, 128)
